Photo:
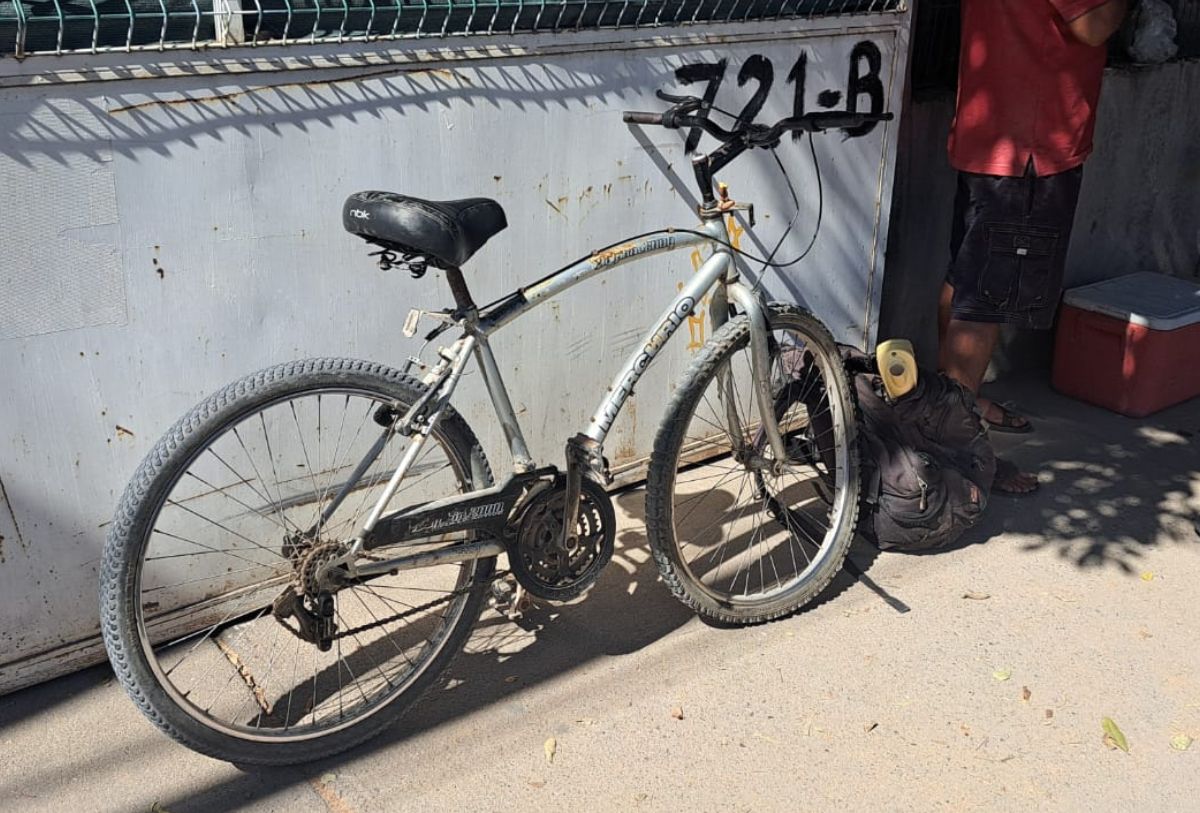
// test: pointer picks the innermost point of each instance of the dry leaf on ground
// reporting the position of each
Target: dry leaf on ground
(1002, 674)
(1026, 694)
(1113, 736)
(977, 596)
(1147, 576)
(1181, 742)
(677, 712)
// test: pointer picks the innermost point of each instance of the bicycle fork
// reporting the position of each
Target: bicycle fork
(760, 370)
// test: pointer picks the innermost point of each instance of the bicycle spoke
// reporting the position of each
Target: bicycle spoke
(730, 529)
(247, 482)
(375, 618)
(277, 504)
(333, 467)
(725, 535)
(697, 498)
(223, 493)
(312, 475)
(742, 530)
(271, 457)
(226, 539)
(266, 677)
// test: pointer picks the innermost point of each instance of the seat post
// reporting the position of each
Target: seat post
(458, 286)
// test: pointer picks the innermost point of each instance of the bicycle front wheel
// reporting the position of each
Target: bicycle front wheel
(738, 535)
(203, 575)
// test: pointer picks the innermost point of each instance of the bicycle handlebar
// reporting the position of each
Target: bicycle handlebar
(632, 117)
(748, 136)
(754, 135)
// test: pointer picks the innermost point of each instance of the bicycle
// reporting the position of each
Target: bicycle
(239, 570)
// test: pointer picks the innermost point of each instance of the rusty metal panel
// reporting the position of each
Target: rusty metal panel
(219, 199)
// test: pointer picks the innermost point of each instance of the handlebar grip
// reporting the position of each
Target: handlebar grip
(836, 120)
(673, 99)
(633, 117)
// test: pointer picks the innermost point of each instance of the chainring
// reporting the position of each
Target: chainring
(535, 552)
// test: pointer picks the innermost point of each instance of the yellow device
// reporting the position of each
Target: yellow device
(897, 366)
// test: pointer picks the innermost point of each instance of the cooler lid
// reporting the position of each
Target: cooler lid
(1156, 301)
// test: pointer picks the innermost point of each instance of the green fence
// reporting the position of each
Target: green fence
(29, 27)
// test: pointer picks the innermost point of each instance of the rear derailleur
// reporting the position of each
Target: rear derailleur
(317, 625)
(307, 598)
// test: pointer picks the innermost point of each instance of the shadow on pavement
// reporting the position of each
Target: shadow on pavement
(1111, 485)
(626, 611)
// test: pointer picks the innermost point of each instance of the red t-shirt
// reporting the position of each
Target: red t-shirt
(1026, 88)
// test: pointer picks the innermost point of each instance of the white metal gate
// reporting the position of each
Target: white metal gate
(171, 222)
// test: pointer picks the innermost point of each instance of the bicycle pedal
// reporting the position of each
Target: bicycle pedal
(522, 601)
(503, 592)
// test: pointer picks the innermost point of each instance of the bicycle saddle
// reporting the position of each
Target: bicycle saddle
(446, 233)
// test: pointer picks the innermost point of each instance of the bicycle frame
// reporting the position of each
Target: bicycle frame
(475, 508)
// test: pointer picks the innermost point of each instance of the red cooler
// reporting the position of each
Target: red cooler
(1130, 344)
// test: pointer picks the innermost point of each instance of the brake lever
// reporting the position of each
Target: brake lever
(668, 97)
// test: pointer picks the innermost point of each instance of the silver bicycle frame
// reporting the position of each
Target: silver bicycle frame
(443, 379)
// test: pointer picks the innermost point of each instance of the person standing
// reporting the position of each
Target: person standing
(1028, 87)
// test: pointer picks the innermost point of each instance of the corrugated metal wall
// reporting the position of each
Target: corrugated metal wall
(162, 236)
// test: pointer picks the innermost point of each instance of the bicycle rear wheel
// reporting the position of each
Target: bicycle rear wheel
(214, 532)
(738, 536)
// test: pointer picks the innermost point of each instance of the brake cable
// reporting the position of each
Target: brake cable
(768, 262)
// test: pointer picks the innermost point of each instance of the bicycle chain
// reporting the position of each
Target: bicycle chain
(380, 622)
(429, 605)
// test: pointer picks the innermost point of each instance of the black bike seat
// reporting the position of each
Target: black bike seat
(446, 233)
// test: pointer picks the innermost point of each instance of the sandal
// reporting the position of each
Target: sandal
(1007, 470)
(1009, 422)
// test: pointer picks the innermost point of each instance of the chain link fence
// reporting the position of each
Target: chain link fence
(31, 27)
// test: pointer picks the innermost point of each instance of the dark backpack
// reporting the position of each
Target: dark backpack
(927, 465)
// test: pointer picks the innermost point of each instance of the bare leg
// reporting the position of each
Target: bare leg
(966, 350)
(944, 302)
(991, 411)
(964, 354)
(961, 366)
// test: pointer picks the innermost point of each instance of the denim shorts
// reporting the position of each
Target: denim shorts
(1008, 246)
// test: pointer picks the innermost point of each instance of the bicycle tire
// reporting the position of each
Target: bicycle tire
(667, 462)
(122, 608)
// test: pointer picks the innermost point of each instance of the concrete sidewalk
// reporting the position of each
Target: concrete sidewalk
(975, 678)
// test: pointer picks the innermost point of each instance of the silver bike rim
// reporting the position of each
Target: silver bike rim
(840, 503)
(434, 644)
